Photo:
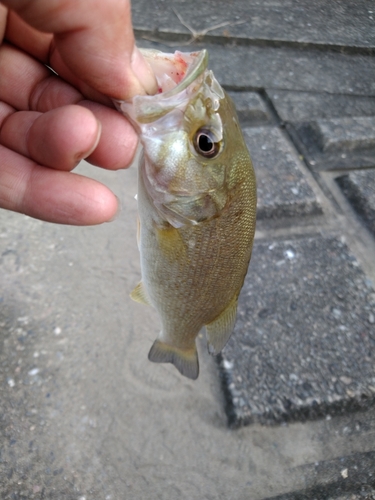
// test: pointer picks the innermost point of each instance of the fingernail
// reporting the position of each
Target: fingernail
(143, 72)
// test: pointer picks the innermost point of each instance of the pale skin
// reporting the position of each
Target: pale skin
(48, 123)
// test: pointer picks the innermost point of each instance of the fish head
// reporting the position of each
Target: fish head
(188, 133)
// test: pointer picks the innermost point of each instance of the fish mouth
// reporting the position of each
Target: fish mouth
(179, 76)
(184, 68)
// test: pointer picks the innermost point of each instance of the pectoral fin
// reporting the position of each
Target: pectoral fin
(219, 330)
(185, 360)
(139, 294)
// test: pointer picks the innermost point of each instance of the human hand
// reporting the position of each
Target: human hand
(48, 123)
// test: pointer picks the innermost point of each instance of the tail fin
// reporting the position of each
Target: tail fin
(185, 360)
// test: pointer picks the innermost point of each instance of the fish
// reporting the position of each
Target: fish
(196, 207)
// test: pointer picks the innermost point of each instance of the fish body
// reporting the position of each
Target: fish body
(197, 208)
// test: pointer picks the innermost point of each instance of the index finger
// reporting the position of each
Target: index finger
(27, 38)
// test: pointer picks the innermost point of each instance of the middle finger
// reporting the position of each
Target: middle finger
(27, 84)
(59, 138)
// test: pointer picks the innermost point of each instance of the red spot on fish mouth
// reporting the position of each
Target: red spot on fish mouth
(180, 60)
(181, 67)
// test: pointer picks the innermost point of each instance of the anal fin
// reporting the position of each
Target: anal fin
(219, 330)
(185, 360)
(139, 294)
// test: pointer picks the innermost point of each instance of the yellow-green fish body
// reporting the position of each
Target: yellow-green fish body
(197, 204)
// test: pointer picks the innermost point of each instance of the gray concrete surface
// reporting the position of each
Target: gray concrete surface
(337, 143)
(345, 24)
(283, 185)
(292, 106)
(303, 344)
(359, 188)
(251, 108)
(84, 415)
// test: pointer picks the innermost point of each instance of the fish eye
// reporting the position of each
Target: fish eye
(205, 143)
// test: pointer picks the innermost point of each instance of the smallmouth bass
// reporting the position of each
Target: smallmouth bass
(196, 205)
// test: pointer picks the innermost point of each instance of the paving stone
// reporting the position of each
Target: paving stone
(359, 188)
(336, 144)
(260, 67)
(345, 134)
(250, 107)
(283, 188)
(302, 21)
(304, 341)
(308, 106)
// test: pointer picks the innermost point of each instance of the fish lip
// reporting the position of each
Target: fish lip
(195, 69)
(146, 109)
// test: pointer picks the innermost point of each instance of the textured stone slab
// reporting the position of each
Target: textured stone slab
(260, 67)
(282, 185)
(250, 107)
(302, 21)
(308, 106)
(337, 143)
(304, 341)
(345, 134)
(359, 188)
